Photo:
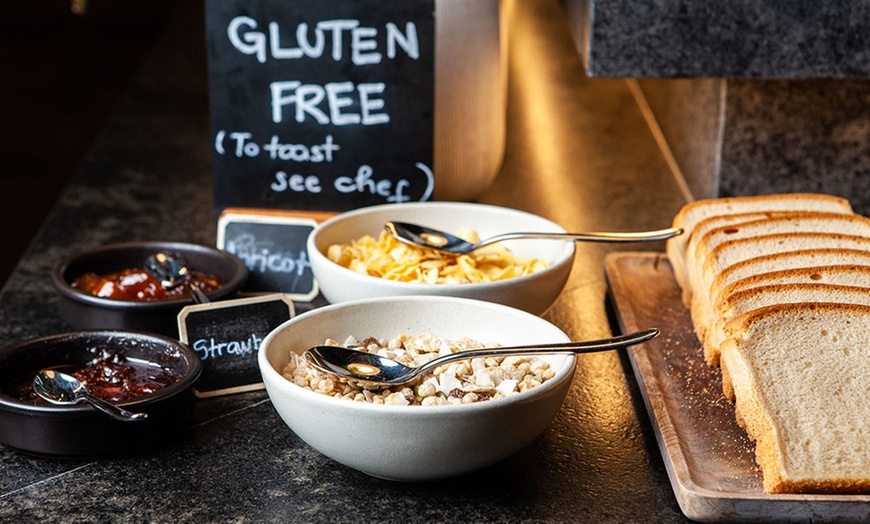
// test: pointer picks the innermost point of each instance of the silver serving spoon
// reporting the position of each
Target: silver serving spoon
(369, 369)
(417, 235)
(172, 272)
(61, 388)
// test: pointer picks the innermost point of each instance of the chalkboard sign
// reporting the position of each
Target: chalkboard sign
(226, 335)
(323, 105)
(272, 246)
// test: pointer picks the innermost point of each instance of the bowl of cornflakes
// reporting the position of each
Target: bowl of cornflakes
(353, 257)
(458, 418)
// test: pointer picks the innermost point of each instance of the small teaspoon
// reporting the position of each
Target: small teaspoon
(63, 389)
(430, 238)
(172, 272)
(372, 370)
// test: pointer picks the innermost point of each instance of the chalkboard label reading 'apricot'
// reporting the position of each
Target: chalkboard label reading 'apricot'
(227, 335)
(321, 104)
(272, 247)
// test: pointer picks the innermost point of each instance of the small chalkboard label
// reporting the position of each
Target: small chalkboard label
(272, 246)
(321, 105)
(226, 335)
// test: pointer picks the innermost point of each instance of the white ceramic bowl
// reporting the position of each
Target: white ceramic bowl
(414, 443)
(533, 293)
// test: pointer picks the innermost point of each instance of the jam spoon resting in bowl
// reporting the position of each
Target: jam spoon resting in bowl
(60, 388)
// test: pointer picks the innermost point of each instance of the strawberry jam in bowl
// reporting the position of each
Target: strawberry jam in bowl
(140, 372)
(109, 375)
(140, 284)
(108, 287)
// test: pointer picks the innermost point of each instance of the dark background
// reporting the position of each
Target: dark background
(63, 75)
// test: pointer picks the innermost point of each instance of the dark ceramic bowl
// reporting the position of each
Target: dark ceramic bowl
(85, 311)
(80, 430)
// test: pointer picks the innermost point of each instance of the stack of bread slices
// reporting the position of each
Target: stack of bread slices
(779, 292)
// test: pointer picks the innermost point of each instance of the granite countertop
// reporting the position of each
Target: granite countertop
(709, 38)
(578, 152)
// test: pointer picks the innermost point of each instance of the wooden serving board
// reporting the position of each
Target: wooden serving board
(709, 458)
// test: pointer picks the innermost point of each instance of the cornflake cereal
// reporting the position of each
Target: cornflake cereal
(462, 382)
(388, 258)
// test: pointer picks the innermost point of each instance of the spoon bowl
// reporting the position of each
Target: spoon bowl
(172, 271)
(430, 238)
(63, 389)
(372, 370)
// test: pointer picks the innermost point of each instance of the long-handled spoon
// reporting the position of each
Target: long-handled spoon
(422, 236)
(370, 369)
(61, 388)
(172, 272)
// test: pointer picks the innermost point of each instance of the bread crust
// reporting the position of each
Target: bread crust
(729, 253)
(730, 205)
(810, 258)
(841, 274)
(695, 236)
(693, 212)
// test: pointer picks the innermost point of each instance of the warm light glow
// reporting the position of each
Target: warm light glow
(362, 370)
(433, 240)
(537, 105)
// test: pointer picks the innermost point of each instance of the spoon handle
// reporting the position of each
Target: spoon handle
(198, 296)
(112, 410)
(639, 236)
(589, 346)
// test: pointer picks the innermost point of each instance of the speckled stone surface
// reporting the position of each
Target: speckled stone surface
(745, 137)
(798, 136)
(711, 38)
(775, 94)
(579, 153)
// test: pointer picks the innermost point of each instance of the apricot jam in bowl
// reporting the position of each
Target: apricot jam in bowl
(141, 372)
(109, 288)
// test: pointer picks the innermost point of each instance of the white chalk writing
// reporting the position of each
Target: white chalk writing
(259, 256)
(345, 38)
(212, 349)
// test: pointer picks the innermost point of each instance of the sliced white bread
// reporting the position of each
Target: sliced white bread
(693, 213)
(736, 251)
(842, 275)
(744, 301)
(794, 260)
(714, 222)
(803, 222)
(800, 375)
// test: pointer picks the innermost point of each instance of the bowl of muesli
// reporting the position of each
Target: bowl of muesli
(459, 418)
(352, 256)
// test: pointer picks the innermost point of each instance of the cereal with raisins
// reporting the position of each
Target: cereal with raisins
(464, 382)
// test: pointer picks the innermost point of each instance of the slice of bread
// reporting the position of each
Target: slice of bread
(803, 222)
(747, 300)
(714, 222)
(841, 275)
(800, 375)
(758, 266)
(736, 251)
(693, 213)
